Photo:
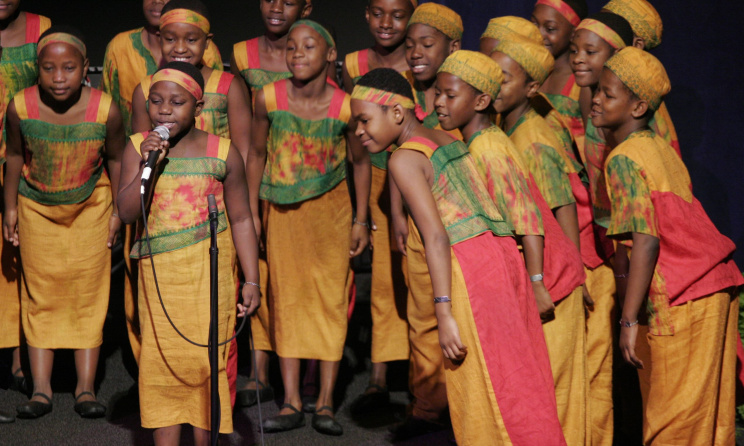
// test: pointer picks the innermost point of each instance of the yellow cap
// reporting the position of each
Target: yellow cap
(642, 73)
(501, 27)
(476, 69)
(534, 58)
(439, 17)
(643, 18)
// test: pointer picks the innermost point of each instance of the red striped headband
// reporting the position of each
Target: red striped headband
(179, 78)
(605, 32)
(61, 38)
(185, 16)
(564, 9)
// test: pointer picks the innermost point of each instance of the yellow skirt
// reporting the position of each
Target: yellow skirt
(261, 319)
(309, 277)
(66, 270)
(10, 292)
(387, 295)
(174, 385)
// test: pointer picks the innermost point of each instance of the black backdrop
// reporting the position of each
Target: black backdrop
(701, 50)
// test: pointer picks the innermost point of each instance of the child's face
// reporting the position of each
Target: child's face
(515, 89)
(588, 53)
(279, 15)
(613, 103)
(152, 10)
(388, 20)
(61, 71)
(376, 126)
(308, 53)
(8, 8)
(555, 29)
(172, 106)
(455, 101)
(426, 49)
(181, 42)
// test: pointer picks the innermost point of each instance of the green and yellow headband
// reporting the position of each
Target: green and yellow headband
(381, 97)
(642, 73)
(320, 29)
(475, 69)
(605, 32)
(179, 78)
(61, 38)
(185, 16)
(445, 20)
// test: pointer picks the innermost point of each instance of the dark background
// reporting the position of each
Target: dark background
(701, 51)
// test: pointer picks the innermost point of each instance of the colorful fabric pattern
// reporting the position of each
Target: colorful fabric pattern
(605, 32)
(595, 154)
(179, 78)
(18, 68)
(249, 64)
(502, 170)
(476, 69)
(463, 202)
(546, 160)
(643, 18)
(439, 17)
(534, 58)
(62, 162)
(178, 214)
(127, 61)
(304, 158)
(381, 97)
(563, 8)
(694, 258)
(502, 27)
(318, 28)
(642, 73)
(567, 104)
(186, 16)
(62, 38)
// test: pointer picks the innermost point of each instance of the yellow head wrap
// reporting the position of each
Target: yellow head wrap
(643, 18)
(605, 32)
(185, 16)
(642, 73)
(380, 97)
(61, 38)
(439, 17)
(179, 78)
(476, 69)
(534, 58)
(563, 9)
(501, 27)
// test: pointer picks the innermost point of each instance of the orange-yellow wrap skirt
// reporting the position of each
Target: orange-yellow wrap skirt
(173, 374)
(307, 244)
(10, 292)
(66, 270)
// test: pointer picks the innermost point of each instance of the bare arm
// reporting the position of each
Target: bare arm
(114, 149)
(257, 157)
(533, 247)
(234, 70)
(239, 115)
(348, 82)
(362, 182)
(13, 166)
(399, 219)
(140, 118)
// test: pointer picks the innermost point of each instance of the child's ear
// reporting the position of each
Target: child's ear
(366, 13)
(532, 88)
(639, 43)
(209, 37)
(307, 9)
(454, 45)
(399, 113)
(332, 54)
(639, 109)
(199, 107)
(86, 65)
(482, 101)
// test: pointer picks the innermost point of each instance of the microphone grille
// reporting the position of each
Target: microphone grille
(162, 131)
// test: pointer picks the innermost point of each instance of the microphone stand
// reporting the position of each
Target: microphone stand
(213, 323)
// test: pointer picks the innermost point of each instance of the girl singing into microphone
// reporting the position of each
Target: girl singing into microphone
(60, 209)
(174, 374)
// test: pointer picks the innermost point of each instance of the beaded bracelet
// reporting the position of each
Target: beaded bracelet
(442, 299)
(252, 283)
(536, 278)
(627, 324)
(361, 223)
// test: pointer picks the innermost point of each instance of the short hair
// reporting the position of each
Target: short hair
(387, 79)
(579, 7)
(192, 5)
(64, 29)
(187, 69)
(616, 23)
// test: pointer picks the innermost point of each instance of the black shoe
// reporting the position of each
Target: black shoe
(282, 423)
(35, 409)
(414, 427)
(6, 418)
(19, 382)
(308, 403)
(326, 424)
(247, 397)
(370, 402)
(89, 409)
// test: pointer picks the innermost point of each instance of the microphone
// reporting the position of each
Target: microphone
(212, 207)
(152, 157)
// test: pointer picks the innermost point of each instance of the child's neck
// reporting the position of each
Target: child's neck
(311, 88)
(60, 107)
(480, 121)
(427, 87)
(615, 136)
(183, 137)
(387, 57)
(275, 42)
(512, 116)
(151, 40)
(410, 127)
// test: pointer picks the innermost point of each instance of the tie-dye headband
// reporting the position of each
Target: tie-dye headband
(605, 32)
(179, 78)
(320, 29)
(381, 97)
(185, 16)
(563, 9)
(61, 38)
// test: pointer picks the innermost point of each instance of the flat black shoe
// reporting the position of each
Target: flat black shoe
(35, 409)
(282, 423)
(414, 427)
(89, 409)
(308, 403)
(247, 397)
(19, 382)
(370, 402)
(6, 418)
(326, 424)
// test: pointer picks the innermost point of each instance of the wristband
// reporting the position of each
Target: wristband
(442, 299)
(627, 324)
(361, 223)
(252, 283)
(536, 278)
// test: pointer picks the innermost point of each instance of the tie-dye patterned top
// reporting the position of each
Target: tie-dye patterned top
(62, 163)
(213, 118)
(127, 61)
(651, 193)
(18, 68)
(463, 202)
(178, 215)
(304, 158)
(247, 60)
(567, 105)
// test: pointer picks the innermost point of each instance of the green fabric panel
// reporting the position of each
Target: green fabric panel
(176, 240)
